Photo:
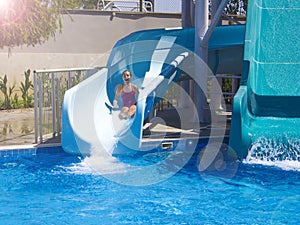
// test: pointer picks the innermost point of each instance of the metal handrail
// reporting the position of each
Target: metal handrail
(53, 77)
(141, 5)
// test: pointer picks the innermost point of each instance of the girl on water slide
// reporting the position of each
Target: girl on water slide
(128, 93)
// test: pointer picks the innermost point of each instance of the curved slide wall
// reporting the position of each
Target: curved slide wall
(268, 101)
(153, 57)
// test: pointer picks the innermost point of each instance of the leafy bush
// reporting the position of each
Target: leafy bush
(11, 98)
(25, 88)
(7, 92)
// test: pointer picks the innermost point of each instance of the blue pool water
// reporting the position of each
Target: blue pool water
(63, 189)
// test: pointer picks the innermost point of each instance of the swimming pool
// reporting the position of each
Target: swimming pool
(57, 188)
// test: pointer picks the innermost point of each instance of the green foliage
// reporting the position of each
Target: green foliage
(78, 77)
(11, 101)
(25, 88)
(7, 92)
(226, 84)
(15, 102)
(236, 7)
(30, 22)
(87, 4)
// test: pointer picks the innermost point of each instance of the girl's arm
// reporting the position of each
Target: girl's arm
(118, 93)
(136, 90)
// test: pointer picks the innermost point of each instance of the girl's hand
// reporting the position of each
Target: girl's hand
(116, 106)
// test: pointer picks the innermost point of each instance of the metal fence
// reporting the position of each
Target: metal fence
(229, 85)
(125, 5)
(49, 89)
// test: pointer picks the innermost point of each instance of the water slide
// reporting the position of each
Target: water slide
(267, 104)
(156, 59)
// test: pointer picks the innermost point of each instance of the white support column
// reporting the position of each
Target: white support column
(187, 21)
(214, 7)
(187, 13)
(201, 26)
(215, 96)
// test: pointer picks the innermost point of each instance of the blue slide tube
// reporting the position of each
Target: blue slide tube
(155, 58)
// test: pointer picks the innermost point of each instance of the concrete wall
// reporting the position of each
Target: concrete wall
(85, 42)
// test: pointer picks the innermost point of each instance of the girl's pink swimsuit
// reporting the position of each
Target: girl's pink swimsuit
(128, 98)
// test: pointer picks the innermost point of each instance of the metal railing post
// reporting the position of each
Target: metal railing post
(141, 5)
(69, 80)
(58, 109)
(35, 93)
(40, 109)
(234, 85)
(53, 97)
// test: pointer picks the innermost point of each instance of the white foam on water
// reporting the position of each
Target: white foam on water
(285, 165)
(99, 163)
(284, 153)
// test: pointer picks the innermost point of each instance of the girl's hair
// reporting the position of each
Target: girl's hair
(126, 71)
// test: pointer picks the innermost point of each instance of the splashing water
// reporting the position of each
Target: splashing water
(99, 163)
(283, 153)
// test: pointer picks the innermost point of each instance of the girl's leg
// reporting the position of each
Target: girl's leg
(131, 111)
(124, 113)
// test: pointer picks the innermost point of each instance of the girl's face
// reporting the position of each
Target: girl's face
(126, 76)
